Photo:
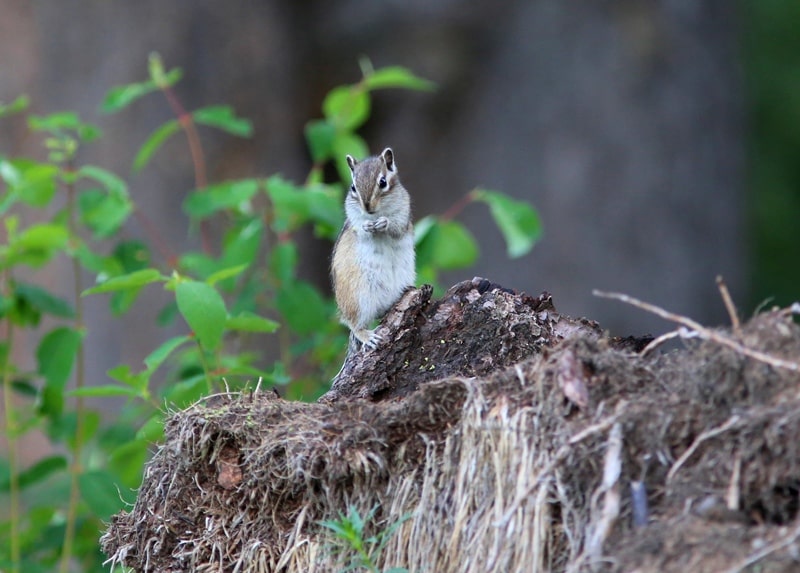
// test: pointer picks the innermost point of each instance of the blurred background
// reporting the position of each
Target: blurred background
(659, 139)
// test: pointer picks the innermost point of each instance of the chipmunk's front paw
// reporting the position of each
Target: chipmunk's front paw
(378, 225)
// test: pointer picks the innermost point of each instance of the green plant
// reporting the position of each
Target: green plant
(229, 291)
(351, 544)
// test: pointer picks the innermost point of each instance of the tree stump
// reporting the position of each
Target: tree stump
(476, 328)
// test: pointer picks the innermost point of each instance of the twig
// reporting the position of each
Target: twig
(701, 331)
(733, 495)
(769, 549)
(186, 122)
(659, 341)
(708, 434)
(80, 380)
(726, 298)
(603, 518)
(12, 443)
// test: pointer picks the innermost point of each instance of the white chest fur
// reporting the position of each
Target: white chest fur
(387, 268)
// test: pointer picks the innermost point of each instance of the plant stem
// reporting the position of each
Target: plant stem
(196, 149)
(75, 464)
(206, 369)
(456, 208)
(11, 439)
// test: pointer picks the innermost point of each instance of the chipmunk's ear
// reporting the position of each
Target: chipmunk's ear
(388, 159)
(351, 162)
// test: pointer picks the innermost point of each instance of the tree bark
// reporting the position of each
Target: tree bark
(476, 328)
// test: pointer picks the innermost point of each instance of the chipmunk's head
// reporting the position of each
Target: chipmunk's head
(374, 180)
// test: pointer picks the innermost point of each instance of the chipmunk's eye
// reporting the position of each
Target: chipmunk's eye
(353, 189)
(382, 182)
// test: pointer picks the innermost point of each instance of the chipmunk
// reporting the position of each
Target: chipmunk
(373, 259)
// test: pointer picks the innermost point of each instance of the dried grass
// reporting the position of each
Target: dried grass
(499, 474)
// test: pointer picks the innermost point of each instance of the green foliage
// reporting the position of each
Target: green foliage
(771, 50)
(242, 289)
(204, 310)
(354, 546)
(517, 220)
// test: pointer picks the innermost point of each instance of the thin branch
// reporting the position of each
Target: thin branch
(726, 298)
(455, 209)
(698, 330)
(707, 435)
(80, 369)
(11, 441)
(659, 341)
(196, 149)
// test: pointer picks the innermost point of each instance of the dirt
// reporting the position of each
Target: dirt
(530, 464)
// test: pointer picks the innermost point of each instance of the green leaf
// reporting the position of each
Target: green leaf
(103, 213)
(517, 220)
(120, 97)
(102, 266)
(51, 403)
(133, 255)
(33, 183)
(99, 491)
(153, 143)
(325, 209)
(396, 77)
(198, 264)
(104, 391)
(153, 429)
(20, 104)
(290, 207)
(348, 144)
(223, 274)
(223, 117)
(121, 301)
(122, 373)
(320, 135)
(130, 256)
(166, 316)
(448, 245)
(241, 243)
(187, 391)
(111, 181)
(125, 282)
(160, 354)
(39, 471)
(44, 301)
(62, 123)
(155, 67)
(249, 322)
(423, 227)
(37, 244)
(204, 310)
(283, 261)
(127, 461)
(230, 195)
(302, 307)
(55, 355)
(44, 236)
(346, 107)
